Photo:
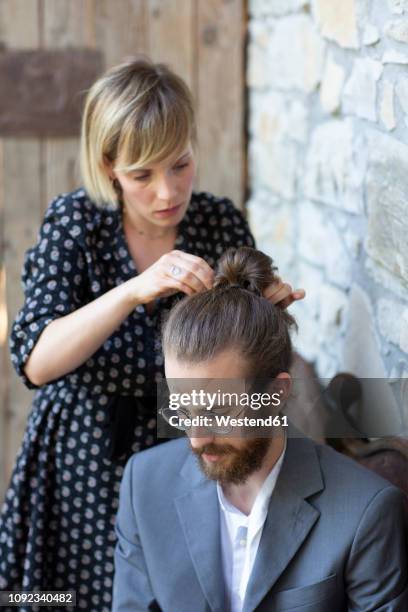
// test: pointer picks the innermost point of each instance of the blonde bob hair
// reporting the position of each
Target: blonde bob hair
(137, 113)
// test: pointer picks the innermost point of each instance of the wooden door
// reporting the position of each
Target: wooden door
(202, 40)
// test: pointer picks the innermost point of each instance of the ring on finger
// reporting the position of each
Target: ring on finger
(176, 271)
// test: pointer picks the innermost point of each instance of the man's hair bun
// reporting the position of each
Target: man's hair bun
(245, 268)
(233, 315)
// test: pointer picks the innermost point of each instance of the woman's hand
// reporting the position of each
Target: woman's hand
(173, 272)
(282, 294)
(72, 339)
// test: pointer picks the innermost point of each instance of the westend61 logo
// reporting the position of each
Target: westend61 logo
(223, 411)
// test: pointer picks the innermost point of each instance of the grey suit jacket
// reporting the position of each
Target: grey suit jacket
(333, 539)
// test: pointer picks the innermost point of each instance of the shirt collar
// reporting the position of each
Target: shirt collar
(255, 520)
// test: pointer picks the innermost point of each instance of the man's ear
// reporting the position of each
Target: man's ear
(283, 385)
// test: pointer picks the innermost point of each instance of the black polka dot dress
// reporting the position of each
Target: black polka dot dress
(57, 522)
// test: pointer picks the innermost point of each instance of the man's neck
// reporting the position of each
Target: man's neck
(243, 496)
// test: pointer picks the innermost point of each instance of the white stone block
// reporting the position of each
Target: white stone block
(258, 67)
(332, 84)
(321, 244)
(263, 199)
(404, 332)
(361, 347)
(305, 341)
(274, 166)
(353, 242)
(275, 116)
(361, 356)
(360, 92)
(333, 173)
(301, 68)
(259, 31)
(383, 277)
(371, 34)
(327, 365)
(310, 279)
(398, 6)
(273, 228)
(389, 317)
(387, 113)
(387, 197)
(312, 233)
(297, 124)
(333, 314)
(401, 90)
(338, 263)
(394, 57)
(397, 30)
(277, 8)
(338, 21)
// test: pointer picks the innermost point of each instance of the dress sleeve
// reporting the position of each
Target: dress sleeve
(53, 282)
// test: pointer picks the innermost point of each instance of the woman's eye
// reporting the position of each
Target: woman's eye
(142, 177)
(181, 166)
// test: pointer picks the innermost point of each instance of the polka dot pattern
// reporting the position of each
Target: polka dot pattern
(56, 525)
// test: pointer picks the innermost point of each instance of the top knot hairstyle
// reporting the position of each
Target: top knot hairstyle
(233, 315)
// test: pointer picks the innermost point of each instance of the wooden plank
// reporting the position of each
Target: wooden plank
(4, 373)
(118, 28)
(19, 24)
(45, 90)
(61, 167)
(19, 192)
(171, 35)
(220, 97)
(65, 25)
(22, 216)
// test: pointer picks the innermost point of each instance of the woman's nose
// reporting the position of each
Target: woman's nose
(166, 188)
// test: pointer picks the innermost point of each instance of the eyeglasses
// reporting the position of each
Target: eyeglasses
(181, 418)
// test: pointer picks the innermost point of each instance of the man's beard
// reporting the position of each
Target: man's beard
(237, 465)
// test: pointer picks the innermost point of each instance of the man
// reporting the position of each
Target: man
(215, 523)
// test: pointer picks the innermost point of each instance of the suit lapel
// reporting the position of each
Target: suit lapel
(289, 521)
(199, 517)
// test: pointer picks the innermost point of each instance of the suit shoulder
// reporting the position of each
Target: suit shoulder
(347, 475)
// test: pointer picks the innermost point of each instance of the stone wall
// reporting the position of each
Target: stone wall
(328, 162)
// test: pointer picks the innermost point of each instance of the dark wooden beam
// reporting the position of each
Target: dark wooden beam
(42, 92)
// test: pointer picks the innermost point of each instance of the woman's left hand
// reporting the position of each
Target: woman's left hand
(282, 294)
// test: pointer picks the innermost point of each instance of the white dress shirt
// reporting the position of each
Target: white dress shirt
(240, 537)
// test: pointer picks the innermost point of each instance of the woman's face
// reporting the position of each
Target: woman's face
(158, 195)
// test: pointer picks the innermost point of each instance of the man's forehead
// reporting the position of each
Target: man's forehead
(227, 364)
(207, 385)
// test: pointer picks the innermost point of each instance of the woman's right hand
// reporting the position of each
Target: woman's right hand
(173, 272)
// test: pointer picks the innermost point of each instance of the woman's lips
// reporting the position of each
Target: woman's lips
(167, 212)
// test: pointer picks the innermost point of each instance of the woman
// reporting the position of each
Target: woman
(109, 262)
